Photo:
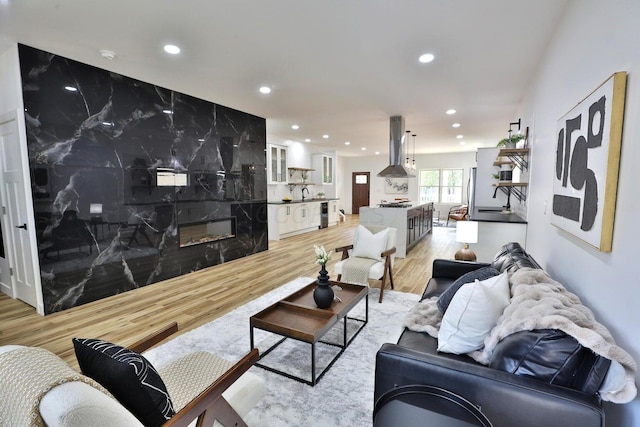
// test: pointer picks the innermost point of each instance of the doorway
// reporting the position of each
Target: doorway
(360, 185)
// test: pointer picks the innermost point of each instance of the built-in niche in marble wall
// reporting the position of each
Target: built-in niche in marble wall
(124, 173)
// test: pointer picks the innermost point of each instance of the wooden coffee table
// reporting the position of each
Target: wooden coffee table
(298, 318)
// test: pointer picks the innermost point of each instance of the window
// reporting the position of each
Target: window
(441, 185)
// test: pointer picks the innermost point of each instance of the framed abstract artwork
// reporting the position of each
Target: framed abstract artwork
(589, 139)
(396, 185)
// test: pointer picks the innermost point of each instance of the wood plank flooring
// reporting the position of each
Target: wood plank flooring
(201, 296)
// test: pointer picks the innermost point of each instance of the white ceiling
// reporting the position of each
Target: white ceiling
(337, 67)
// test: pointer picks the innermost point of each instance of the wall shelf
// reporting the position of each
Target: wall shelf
(516, 188)
(303, 176)
(517, 156)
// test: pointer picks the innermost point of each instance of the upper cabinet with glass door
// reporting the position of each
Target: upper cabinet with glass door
(327, 169)
(277, 161)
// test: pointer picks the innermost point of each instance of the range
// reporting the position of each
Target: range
(395, 205)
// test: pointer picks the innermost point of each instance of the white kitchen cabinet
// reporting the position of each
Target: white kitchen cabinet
(277, 161)
(327, 169)
(293, 218)
(280, 220)
(285, 222)
(334, 217)
(304, 216)
(325, 173)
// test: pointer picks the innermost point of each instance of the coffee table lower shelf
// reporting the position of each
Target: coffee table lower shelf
(314, 378)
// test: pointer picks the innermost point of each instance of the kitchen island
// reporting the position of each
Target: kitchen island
(495, 229)
(411, 223)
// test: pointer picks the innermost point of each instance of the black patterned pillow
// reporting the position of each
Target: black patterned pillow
(128, 376)
(481, 274)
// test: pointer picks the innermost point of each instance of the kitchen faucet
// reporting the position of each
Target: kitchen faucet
(304, 188)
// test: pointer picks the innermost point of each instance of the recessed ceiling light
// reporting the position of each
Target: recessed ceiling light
(425, 58)
(347, 143)
(459, 136)
(307, 140)
(265, 89)
(364, 148)
(325, 136)
(462, 142)
(71, 88)
(295, 127)
(455, 125)
(451, 111)
(377, 152)
(172, 49)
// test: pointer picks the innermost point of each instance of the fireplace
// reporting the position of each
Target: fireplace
(199, 233)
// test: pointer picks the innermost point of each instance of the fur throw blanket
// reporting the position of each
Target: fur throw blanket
(539, 302)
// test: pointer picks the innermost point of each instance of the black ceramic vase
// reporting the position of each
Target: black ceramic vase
(323, 294)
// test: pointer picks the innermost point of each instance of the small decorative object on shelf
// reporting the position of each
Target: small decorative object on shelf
(323, 293)
(510, 141)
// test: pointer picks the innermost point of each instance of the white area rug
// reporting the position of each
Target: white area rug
(342, 397)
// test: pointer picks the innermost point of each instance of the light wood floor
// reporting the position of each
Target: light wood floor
(199, 297)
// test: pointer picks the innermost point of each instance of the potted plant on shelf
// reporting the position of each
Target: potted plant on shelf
(510, 141)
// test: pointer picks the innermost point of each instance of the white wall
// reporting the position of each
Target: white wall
(10, 81)
(594, 40)
(374, 164)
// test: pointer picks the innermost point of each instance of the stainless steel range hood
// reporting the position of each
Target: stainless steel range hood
(396, 151)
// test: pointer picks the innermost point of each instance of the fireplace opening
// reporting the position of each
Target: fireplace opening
(199, 233)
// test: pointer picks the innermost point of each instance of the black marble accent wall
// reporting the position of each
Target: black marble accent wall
(120, 169)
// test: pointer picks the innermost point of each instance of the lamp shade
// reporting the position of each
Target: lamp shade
(467, 232)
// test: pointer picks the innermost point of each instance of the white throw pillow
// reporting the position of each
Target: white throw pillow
(473, 312)
(370, 245)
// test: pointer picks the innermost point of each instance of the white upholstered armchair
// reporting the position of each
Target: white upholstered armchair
(370, 257)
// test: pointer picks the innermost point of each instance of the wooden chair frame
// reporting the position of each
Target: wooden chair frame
(209, 405)
(387, 266)
(459, 213)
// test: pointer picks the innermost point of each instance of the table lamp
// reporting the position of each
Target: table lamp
(466, 232)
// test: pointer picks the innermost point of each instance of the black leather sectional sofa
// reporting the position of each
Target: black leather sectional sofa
(555, 382)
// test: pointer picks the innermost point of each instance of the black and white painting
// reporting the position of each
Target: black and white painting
(396, 185)
(586, 165)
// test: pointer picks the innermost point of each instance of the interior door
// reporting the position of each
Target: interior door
(6, 284)
(15, 216)
(360, 186)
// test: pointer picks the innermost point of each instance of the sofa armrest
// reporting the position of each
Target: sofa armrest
(452, 269)
(506, 399)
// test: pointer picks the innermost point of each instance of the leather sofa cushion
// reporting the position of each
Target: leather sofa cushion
(424, 343)
(511, 257)
(551, 356)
